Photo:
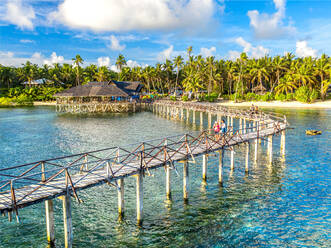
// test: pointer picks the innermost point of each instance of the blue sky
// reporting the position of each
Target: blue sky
(150, 31)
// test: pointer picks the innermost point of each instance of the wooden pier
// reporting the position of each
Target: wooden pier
(64, 177)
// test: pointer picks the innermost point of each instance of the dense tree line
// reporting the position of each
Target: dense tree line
(279, 75)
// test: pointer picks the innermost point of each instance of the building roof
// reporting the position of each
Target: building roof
(36, 82)
(111, 88)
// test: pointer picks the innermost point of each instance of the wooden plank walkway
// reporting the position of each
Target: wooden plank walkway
(31, 187)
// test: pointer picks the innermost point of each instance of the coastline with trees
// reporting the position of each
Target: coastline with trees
(280, 78)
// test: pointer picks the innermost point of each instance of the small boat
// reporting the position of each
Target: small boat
(313, 132)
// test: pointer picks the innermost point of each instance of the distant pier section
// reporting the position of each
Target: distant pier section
(100, 97)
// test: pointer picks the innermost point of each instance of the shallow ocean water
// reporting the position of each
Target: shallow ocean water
(286, 205)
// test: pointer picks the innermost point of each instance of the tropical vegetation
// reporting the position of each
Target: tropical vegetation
(267, 78)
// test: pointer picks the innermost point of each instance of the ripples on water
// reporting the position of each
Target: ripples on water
(287, 205)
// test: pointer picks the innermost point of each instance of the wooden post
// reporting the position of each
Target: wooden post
(185, 181)
(209, 120)
(270, 148)
(181, 113)
(50, 222)
(255, 153)
(247, 158)
(139, 196)
(120, 196)
(220, 168)
(232, 159)
(67, 219)
(187, 115)
(193, 117)
(231, 125)
(244, 127)
(282, 144)
(228, 122)
(204, 167)
(240, 126)
(168, 188)
(201, 119)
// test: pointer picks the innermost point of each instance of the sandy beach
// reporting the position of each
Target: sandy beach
(44, 103)
(279, 104)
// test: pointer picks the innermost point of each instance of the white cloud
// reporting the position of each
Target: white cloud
(166, 54)
(114, 15)
(114, 68)
(303, 50)
(233, 55)
(207, 52)
(27, 41)
(115, 44)
(255, 52)
(132, 63)
(103, 61)
(54, 59)
(9, 59)
(267, 26)
(19, 14)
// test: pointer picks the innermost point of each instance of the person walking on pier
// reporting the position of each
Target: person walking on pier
(217, 130)
(223, 127)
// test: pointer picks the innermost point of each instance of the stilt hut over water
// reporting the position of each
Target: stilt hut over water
(112, 96)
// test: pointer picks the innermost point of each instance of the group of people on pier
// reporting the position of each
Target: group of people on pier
(219, 128)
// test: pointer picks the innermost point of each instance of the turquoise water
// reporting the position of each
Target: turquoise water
(286, 205)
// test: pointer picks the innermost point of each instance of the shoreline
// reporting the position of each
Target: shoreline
(279, 104)
(271, 104)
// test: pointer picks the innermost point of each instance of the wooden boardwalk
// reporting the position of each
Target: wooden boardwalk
(80, 173)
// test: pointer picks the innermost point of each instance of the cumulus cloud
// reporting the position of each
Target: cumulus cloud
(115, 44)
(255, 52)
(114, 15)
(303, 50)
(27, 41)
(267, 26)
(54, 59)
(19, 14)
(103, 61)
(207, 52)
(166, 54)
(10, 59)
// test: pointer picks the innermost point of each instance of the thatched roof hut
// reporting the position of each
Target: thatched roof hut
(105, 89)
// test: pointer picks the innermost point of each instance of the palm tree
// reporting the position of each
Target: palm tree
(286, 85)
(102, 74)
(77, 62)
(178, 62)
(279, 65)
(120, 62)
(322, 66)
(189, 51)
(259, 72)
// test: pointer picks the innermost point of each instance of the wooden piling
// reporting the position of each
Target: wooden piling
(139, 196)
(187, 115)
(247, 158)
(185, 181)
(67, 220)
(201, 119)
(168, 181)
(204, 167)
(120, 197)
(255, 149)
(232, 159)
(282, 143)
(220, 167)
(270, 148)
(50, 230)
(240, 126)
(193, 117)
(244, 126)
(209, 120)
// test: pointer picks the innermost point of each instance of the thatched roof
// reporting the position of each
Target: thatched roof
(112, 88)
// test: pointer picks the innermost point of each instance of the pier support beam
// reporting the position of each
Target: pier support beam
(232, 159)
(181, 113)
(220, 168)
(244, 127)
(204, 167)
(187, 115)
(193, 117)
(168, 185)
(139, 196)
(67, 220)
(282, 144)
(201, 119)
(120, 195)
(209, 120)
(50, 222)
(240, 126)
(185, 181)
(247, 158)
(256, 142)
(270, 148)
